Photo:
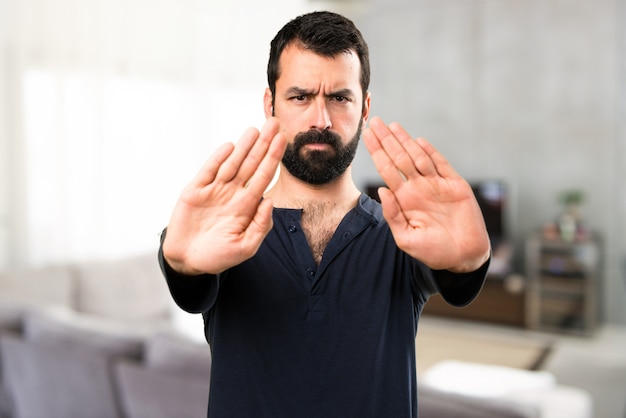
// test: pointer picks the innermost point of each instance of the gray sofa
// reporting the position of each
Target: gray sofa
(100, 340)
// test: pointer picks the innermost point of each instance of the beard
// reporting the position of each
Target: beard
(320, 167)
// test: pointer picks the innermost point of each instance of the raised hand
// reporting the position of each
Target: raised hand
(220, 218)
(431, 210)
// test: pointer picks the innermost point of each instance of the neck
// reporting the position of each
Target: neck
(291, 193)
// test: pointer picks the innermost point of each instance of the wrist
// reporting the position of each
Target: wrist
(471, 265)
(175, 264)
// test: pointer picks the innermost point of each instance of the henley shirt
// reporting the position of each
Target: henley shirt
(291, 339)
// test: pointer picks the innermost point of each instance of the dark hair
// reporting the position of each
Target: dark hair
(324, 33)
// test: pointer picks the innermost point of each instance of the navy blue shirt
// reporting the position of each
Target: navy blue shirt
(293, 339)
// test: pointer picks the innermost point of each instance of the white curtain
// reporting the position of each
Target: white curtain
(110, 106)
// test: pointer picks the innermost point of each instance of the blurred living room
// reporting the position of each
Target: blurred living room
(108, 108)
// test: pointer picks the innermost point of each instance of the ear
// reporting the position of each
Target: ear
(366, 107)
(267, 103)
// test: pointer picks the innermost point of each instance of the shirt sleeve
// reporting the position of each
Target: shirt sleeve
(194, 294)
(460, 289)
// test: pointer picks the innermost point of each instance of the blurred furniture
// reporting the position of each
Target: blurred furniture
(501, 300)
(535, 393)
(60, 369)
(563, 286)
(61, 325)
(172, 379)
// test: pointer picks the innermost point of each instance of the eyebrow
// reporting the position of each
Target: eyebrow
(299, 91)
(342, 92)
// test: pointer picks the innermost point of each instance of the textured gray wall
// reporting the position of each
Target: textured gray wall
(527, 91)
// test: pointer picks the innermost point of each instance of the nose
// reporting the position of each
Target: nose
(320, 117)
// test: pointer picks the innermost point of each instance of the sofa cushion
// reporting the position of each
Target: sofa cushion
(63, 327)
(149, 393)
(58, 381)
(53, 285)
(6, 401)
(434, 403)
(129, 289)
(177, 353)
(560, 401)
(484, 380)
(10, 316)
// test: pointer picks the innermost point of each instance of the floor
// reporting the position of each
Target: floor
(596, 364)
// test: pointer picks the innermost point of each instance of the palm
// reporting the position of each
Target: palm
(220, 219)
(430, 209)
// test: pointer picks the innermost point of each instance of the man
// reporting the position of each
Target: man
(310, 291)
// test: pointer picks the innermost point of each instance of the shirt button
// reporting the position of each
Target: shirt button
(292, 228)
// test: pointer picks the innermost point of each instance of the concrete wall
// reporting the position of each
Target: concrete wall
(527, 91)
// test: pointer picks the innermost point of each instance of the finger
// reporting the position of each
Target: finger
(440, 163)
(392, 212)
(385, 166)
(229, 169)
(267, 169)
(394, 148)
(209, 169)
(261, 223)
(258, 152)
(420, 158)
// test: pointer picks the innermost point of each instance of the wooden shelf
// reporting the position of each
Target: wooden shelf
(562, 284)
(495, 304)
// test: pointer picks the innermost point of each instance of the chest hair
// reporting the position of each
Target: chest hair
(319, 223)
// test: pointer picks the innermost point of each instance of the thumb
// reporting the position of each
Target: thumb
(391, 209)
(261, 224)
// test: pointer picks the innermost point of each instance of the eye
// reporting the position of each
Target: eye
(340, 99)
(299, 98)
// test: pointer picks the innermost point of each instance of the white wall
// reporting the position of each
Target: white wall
(4, 160)
(110, 106)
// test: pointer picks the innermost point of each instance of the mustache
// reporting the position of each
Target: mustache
(315, 136)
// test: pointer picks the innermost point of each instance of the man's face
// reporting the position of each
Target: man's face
(321, 109)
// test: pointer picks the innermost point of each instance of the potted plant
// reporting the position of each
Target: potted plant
(570, 219)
